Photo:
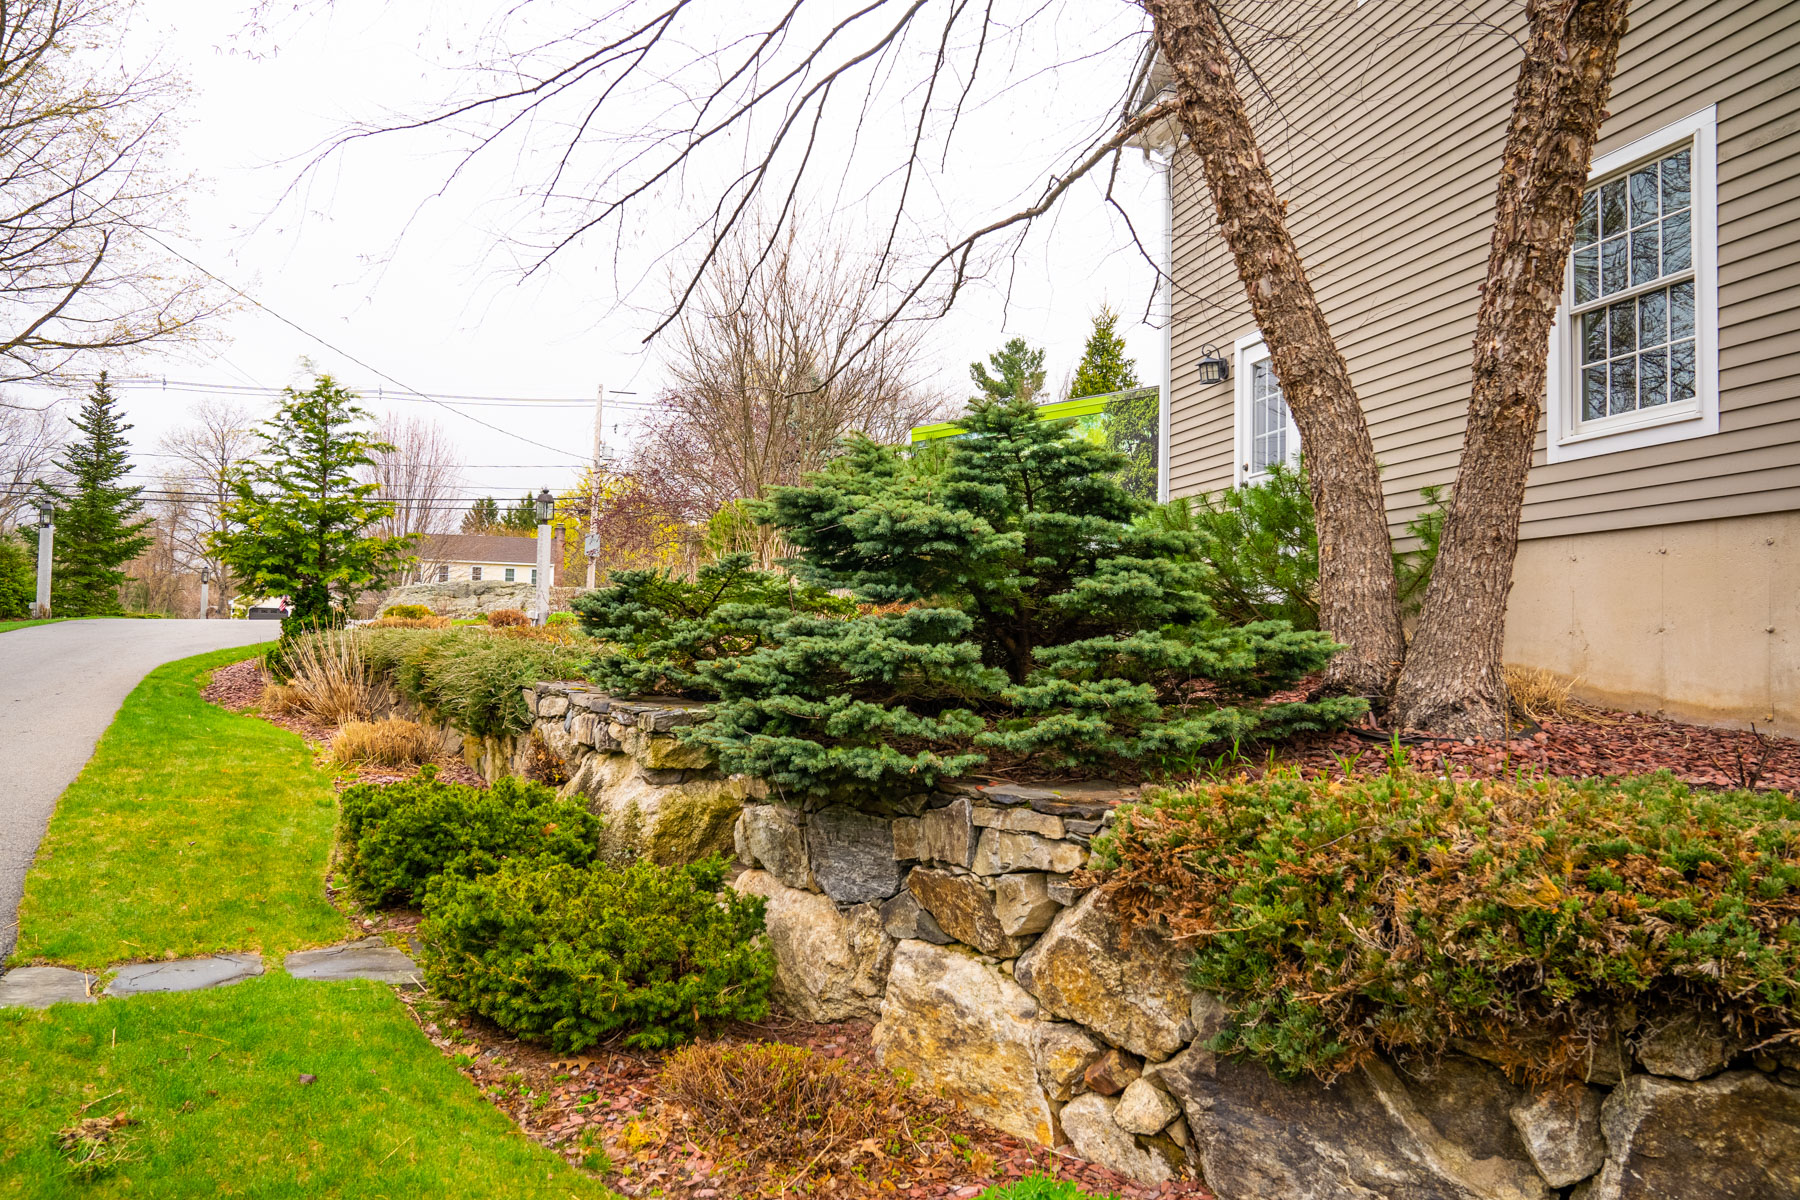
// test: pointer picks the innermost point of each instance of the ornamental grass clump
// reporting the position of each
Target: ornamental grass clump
(403, 839)
(1397, 912)
(1016, 609)
(572, 956)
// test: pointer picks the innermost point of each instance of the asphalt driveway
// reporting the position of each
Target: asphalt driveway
(60, 686)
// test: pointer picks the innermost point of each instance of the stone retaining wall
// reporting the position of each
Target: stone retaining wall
(950, 919)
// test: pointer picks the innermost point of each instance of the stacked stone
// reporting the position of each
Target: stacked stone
(658, 796)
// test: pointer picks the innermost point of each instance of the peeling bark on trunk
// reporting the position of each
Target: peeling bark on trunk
(1357, 600)
(1453, 682)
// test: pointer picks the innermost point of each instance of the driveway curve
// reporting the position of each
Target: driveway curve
(60, 686)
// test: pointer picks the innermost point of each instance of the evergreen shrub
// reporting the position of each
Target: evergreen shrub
(468, 677)
(1016, 608)
(1397, 912)
(402, 839)
(408, 612)
(573, 955)
(18, 576)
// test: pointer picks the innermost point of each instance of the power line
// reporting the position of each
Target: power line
(147, 382)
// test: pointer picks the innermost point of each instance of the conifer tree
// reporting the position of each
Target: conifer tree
(300, 524)
(1018, 372)
(483, 516)
(1104, 365)
(1025, 612)
(98, 529)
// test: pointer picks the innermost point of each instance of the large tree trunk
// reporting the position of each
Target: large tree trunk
(1357, 600)
(1453, 681)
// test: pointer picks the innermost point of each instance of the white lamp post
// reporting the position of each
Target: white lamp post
(46, 535)
(546, 506)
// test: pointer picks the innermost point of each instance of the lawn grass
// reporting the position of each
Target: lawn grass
(9, 626)
(192, 830)
(213, 1081)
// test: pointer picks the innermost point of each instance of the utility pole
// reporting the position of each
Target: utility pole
(46, 535)
(593, 537)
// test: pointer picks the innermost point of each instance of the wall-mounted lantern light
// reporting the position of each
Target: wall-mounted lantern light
(546, 505)
(1213, 366)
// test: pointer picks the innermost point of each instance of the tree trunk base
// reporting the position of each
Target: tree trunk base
(1453, 708)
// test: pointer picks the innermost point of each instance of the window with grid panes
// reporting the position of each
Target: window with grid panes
(1633, 293)
(1268, 419)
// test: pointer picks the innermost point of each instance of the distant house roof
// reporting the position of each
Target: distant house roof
(481, 548)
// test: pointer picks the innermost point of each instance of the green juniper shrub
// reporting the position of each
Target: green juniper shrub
(1018, 607)
(404, 838)
(471, 678)
(408, 612)
(1396, 912)
(573, 955)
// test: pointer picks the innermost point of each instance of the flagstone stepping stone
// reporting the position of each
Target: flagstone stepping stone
(40, 987)
(185, 974)
(369, 958)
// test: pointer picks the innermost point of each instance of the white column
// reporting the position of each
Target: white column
(542, 616)
(46, 534)
(1167, 287)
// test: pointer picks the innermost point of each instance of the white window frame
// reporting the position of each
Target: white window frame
(474, 574)
(1565, 438)
(507, 574)
(1251, 350)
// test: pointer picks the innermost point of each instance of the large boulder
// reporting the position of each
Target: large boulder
(668, 823)
(1734, 1135)
(1088, 1122)
(1367, 1136)
(852, 854)
(964, 909)
(962, 1026)
(831, 964)
(1125, 983)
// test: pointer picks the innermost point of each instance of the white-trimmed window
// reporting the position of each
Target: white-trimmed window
(443, 573)
(1266, 433)
(475, 574)
(1634, 361)
(508, 576)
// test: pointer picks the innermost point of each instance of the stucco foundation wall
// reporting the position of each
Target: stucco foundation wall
(1698, 620)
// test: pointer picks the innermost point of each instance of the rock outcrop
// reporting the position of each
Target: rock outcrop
(831, 964)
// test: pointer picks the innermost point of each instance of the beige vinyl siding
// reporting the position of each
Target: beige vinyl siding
(1383, 126)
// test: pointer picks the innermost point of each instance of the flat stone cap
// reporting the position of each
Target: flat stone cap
(40, 987)
(185, 974)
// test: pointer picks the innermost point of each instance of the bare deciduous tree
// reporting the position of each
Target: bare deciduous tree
(772, 363)
(29, 440)
(420, 475)
(750, 106)
(83, 194)
(205, 454)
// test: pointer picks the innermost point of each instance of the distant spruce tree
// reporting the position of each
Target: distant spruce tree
(520, 518)
(483, 516)
(299, 523)
(1104, 366)
(1025, 611)
(1018, 373)
(98, 529)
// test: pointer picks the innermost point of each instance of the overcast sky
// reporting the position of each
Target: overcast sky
(371, 254)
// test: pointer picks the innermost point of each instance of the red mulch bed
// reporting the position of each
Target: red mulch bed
(609, 1099)
(1585, 741)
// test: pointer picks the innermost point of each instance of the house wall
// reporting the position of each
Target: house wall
(1383, 126)
(490, 572)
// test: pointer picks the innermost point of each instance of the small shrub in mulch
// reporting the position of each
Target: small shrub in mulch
(1395, 912)
(502, 617)
(402, 839)
(572, 956)
(787, 1108)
